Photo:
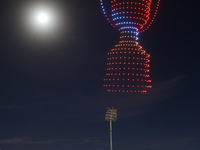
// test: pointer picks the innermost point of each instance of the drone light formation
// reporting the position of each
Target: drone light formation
(128, 65)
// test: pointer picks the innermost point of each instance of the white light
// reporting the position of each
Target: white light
(42, 18)
(41, 21)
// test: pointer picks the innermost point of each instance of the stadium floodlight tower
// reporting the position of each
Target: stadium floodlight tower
(111, 115)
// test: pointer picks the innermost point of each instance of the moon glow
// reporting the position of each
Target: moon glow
(43, 18)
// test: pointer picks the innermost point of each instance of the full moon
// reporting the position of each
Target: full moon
(43, 18)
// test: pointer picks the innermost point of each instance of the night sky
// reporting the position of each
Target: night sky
(51, 93)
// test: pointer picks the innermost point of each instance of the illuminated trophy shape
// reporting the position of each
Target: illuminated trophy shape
(127, 63)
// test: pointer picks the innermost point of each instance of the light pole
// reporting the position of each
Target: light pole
(111, 115)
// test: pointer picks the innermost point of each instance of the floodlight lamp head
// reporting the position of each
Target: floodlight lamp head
(111, 114)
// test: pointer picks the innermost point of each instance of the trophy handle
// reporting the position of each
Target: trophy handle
(105, 13)
(154, 16)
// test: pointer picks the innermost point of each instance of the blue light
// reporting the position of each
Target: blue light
(122, 20)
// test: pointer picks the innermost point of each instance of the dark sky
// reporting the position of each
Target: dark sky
(51, 94)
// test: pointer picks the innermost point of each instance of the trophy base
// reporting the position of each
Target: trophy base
(127, 68)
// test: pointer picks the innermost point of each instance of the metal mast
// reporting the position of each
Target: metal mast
(111, 115)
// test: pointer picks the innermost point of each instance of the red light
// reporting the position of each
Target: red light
(134, 60)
